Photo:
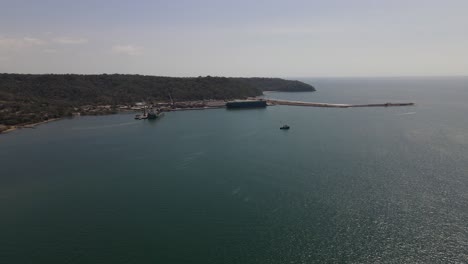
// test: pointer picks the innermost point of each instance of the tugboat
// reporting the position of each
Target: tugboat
(284, 127)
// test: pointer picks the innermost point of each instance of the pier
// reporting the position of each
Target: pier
(253, 103)
(312, 104)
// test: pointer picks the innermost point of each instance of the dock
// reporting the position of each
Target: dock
(312, 104)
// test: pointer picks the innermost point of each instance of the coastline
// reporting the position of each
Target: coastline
(188, 105)
(33, 125)
(205, 105)
(183, 106)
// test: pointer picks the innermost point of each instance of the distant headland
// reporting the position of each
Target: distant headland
(27, 99)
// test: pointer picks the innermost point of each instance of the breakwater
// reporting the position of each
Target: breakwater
(312, 104)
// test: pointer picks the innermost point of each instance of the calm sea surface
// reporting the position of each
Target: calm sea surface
(365, 185)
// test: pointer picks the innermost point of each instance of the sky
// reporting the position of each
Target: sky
(290, 38)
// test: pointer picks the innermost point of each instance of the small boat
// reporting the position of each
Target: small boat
(138, 117)
(286, 127)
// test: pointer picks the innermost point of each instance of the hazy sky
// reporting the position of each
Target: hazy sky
(236, 37)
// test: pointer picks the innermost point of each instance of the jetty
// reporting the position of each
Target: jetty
(312, 104)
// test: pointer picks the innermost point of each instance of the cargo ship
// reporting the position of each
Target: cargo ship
(246, 103)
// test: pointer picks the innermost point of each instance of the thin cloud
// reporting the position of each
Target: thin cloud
(127, 50)
(34, 41)
(72, 41)
(20, 43)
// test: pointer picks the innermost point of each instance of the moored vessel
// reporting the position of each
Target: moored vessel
(153, 115)
(246, 103)
(148, 114)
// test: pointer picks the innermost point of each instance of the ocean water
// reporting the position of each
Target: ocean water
(364, 185)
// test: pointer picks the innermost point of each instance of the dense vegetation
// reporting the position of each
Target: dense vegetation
(277, 84)
(26, 98)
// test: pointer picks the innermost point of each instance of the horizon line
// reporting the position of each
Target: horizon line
(257, 76)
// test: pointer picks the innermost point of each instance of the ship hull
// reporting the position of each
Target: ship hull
(152, 116)
(246, 104)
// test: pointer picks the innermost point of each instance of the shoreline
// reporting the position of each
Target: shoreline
(214, 104)
(128, 111)
(187, 105)
(33, 125)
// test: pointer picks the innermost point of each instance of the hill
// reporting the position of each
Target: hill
(29, 98)
(277, 84)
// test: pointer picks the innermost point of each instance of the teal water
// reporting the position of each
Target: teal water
(365, 185)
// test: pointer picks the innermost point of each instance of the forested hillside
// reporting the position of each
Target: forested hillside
(27, 98)
(277, 84)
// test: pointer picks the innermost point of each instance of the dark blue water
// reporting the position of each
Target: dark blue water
(364, 185)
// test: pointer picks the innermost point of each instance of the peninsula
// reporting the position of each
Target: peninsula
(27, 99)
